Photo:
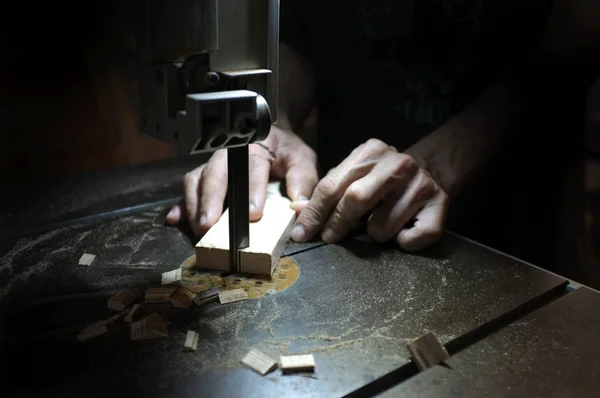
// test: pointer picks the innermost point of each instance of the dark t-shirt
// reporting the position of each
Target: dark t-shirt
(398, 69)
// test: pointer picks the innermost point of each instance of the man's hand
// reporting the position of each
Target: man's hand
(205, 188)
(375, 179)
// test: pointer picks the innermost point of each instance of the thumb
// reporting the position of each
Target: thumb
(301, 179)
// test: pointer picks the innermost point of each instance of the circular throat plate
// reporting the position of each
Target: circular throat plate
(198, 280)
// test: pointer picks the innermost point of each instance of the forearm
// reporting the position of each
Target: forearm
(461, 149)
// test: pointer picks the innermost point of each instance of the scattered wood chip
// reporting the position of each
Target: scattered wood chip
(230, 296)
(123, 299)
(297, 363)
(206, 296)
(151, 327)
(259, 362)
(427, 351)
(131, 312)
(159, 294)
(181, 297)
(171, 277)
(191, 340)
(87, 259)
(92, 331)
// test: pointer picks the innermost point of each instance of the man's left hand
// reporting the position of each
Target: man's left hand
(404, 202)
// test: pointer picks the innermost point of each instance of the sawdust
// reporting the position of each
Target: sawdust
(270, 330)
(335, 346)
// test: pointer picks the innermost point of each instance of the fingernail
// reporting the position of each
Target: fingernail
(172, 212)
(301, 198)
(298, 204)
(252, 207)
(203, 219)
(298, 233)
(329, 236)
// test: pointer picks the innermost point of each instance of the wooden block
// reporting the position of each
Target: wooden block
(87, 259)
(206, 296)
(259, 362)
(123, 299)
(181, 297)
(152, 327)
(171, 277)
(297, 363)
(231, 296)
(191, 340)
(131, 312)
(427, 351)
(92, 331)
(268, 238)
(159, 294)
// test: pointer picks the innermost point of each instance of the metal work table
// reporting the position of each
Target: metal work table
(355, 306)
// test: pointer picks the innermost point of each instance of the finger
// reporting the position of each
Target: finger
(331, 188)
(427, 229)
(175, 215)
(397, 210)
(259, 178)
(212, 191)
(301, 178)
(191, 183)
(298, 205)
(392, 173)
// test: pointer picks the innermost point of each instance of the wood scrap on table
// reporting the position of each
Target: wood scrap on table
(181, 297)
(259, 362)
(171, 277)
(206, 296)
(98, 328)
(151, 327)
(131, 312)
(231, 296)
(159, 294)
(268, 238)
(87, 259)
(427, 351)
(297, 363)
(191, 340)
(123, 299)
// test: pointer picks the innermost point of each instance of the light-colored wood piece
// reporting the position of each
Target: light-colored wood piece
(191, 340)
(159, 294)
(207, 296)
(268, 238)
(297, 363)
(427, 351)
(231, 296)
(87, 259)
(151, 327)
(182, 297)
(259, 362)
(131, 312)
(171, 277)
(92, 331)
(123, 299)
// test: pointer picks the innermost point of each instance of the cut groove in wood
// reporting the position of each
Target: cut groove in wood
(427, 351)
(123, 299)
(297, 363)
(259, 362)
(191, 340)
(231, 296)
(268, 238)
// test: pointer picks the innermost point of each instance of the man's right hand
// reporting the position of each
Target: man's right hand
(205, 188)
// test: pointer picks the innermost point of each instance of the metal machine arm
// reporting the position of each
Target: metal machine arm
(208, 81)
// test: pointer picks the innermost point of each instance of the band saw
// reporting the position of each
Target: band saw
(510, 328)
